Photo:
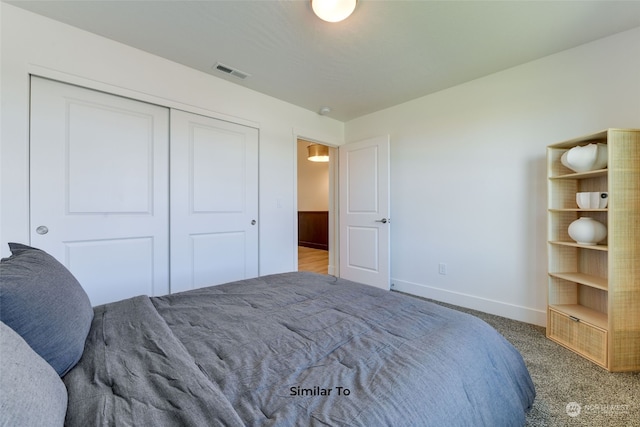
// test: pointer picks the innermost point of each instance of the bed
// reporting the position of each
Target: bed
(286, 350)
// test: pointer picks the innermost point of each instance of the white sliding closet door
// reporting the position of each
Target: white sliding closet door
(214, 201)
(99, 188)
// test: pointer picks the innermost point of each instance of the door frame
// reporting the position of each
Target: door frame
(334, 229)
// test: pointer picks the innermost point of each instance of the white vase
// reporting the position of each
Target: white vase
(585, 158)
(587, 231)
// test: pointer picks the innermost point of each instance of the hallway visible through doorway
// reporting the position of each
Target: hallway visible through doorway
(313, 187)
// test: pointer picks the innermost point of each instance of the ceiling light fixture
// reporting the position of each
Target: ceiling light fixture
(333, 10)
(318, 153)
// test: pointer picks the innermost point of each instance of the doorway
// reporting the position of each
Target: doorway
(358, 180)
(314, 209)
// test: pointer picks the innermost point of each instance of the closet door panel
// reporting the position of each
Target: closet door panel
(115, 268)
(218, 257)
(109, 159)
(214, 201)
(213, 159)
(99, 188)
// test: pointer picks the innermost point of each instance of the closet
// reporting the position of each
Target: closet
(136, 198)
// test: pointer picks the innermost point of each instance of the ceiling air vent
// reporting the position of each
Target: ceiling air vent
(231, 71)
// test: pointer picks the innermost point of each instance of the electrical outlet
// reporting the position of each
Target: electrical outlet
(442, 268)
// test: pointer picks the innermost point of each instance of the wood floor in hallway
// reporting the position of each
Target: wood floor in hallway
(315, 260)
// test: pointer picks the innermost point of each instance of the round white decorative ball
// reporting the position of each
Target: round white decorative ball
(587, 231)
(585, 158)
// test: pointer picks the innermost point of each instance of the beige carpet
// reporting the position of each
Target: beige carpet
(570, 391)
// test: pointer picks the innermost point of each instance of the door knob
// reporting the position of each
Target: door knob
(253, 222)
(42, 230)
(383, 220)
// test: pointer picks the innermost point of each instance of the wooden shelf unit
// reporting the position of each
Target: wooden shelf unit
(594, 290)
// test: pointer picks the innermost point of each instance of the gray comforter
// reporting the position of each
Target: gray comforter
(294, 349)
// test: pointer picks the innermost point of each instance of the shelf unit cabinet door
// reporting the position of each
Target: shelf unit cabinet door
(581, 337)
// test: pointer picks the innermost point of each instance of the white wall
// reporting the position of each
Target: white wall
(313, 182)
(468, 172)
(33, 44)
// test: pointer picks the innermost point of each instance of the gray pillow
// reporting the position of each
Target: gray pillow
(31, 392)
(42, 301)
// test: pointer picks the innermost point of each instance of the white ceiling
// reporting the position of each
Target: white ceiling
(386, 53)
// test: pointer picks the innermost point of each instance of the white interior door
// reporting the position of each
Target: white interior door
(214, 201)
(364, 212)
(99, 188)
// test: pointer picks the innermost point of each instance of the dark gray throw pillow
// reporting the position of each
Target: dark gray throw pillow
(42, 301)
(31, 392)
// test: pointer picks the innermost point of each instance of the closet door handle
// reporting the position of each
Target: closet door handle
(253, 222)
(42, 229)
(383, 220)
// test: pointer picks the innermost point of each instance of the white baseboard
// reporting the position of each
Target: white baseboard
(499, 308)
